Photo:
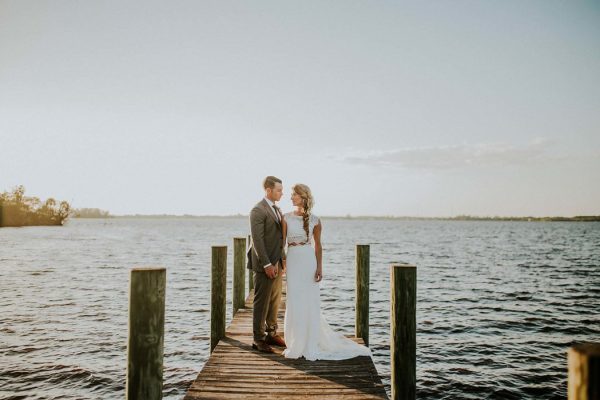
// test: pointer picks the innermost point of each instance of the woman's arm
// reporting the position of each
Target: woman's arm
(284, 234)
(318, 251)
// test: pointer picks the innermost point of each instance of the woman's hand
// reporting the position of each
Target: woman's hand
(318, 274)
(283, 267)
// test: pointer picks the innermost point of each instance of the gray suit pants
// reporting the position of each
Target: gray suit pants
(267, 296)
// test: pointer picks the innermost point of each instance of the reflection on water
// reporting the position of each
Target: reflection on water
(498, 302)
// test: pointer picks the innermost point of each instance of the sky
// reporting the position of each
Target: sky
(424, 108)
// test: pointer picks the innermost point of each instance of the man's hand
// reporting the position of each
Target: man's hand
(271, 271)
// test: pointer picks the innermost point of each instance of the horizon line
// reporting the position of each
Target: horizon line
(350, 216)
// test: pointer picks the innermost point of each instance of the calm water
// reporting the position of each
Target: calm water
(498, 302)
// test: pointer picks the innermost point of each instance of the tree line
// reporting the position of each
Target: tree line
(90, 213)
(16, 209)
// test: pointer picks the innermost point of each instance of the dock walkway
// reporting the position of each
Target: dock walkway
(236, 371)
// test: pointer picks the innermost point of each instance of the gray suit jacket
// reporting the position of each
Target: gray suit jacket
(267, 243)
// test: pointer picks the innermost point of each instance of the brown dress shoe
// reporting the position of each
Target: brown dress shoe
(262, 346)
(275, 340)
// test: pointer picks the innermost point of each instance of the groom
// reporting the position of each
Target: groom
(265, 260)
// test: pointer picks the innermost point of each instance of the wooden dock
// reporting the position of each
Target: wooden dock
(236, 371)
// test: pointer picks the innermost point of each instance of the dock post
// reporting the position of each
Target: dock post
(403, 350)
(146, 334)
(217, 295)
(239, 273)
(250, 273)
(361, 325)
(584, 371)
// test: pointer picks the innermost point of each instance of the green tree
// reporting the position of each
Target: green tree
(18, 210)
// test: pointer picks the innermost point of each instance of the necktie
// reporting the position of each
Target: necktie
(277, 212)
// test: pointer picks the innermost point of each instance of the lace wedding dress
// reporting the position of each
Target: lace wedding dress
(307, 333)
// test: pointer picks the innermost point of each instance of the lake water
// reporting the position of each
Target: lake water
(498, 305)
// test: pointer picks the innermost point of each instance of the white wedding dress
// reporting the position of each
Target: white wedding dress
(307, 333)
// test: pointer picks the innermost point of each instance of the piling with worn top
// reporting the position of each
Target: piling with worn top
(218, 296)
(239, 273)
(584, 371)
(146, 334)
(362, 292)
(403, 350)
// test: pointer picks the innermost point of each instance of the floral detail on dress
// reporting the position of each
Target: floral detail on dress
(295, 227)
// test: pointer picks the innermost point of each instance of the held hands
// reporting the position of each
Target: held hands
(283, 268)
(319, 274)
(271, 271)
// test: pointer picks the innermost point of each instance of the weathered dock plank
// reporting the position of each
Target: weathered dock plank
(236, 371)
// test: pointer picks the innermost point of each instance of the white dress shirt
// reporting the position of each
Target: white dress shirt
(271, 204)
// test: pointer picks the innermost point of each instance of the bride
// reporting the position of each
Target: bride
(307, 333)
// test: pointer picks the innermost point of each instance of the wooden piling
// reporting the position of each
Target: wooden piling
(362, 257)
(146, 334)
(250, 273)
(584, 371)
(239, 273)
(217, 295)
(403, 350)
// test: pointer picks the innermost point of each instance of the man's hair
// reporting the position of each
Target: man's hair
(270, 182)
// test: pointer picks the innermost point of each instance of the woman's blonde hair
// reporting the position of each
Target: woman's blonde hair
(307, 204)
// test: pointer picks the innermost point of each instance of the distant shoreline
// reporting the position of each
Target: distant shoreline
(583, 218)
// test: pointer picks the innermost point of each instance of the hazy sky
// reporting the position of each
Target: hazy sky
(384, 108)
